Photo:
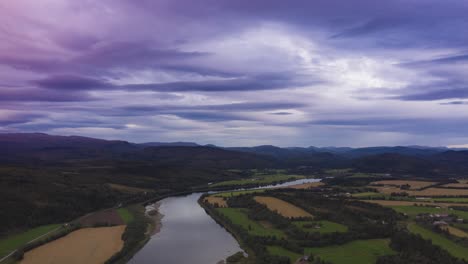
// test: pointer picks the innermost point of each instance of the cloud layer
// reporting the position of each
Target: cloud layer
(241, 72)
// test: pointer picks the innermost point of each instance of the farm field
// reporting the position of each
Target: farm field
(426, 192)
(412, 184)
(240, 218)
(236, 193)
(355, 222)
(279, 251)
(125, 214)
(411, 203)
(108, 216)
(13, 242)
(456, 185)
(260, 179)
(452, 247)
(213, 200)
(415, 210)
(284, 208)
(306, 185)
(367, 194)
(355, 252)
(87, 245)
(452, 200)
(325, 226)
(456, 232)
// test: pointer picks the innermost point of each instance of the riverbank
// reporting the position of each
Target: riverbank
(152, 211)
(209, 210)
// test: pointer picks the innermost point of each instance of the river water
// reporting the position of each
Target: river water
(189, 235)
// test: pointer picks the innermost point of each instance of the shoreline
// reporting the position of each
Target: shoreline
(152, 211)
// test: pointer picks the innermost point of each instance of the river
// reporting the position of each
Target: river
(189, 235)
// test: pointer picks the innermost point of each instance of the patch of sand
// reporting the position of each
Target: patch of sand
(284, 208)
(87, 245)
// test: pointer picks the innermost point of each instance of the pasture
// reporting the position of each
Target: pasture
(453, 248)
(306, 185)
(13, 242)
(87, 245)
(239, 217)
(411, 203)
(281, 207)
(322, 227)
(398, 183)
(429, 192)
(355, 252)
(279, 251)
(125, 214)
(452, 200)
(236, 193)
(368, 195)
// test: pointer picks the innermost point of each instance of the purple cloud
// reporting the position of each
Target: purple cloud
(242, 72)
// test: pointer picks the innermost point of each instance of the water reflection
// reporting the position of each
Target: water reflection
(188, 234)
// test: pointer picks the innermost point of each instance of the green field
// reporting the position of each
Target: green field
(259, 179)
(415, 210)
(235, 193)
(453, 248)
(452, 200)
(239, 217)
(279, 251)
(355, 252)
(125, 214)
(13, 242)
(367, 194)
(325, 226)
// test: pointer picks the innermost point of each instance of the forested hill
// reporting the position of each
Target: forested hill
(38, 148)
(56, 178)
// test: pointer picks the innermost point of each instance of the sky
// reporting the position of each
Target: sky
(237, 73)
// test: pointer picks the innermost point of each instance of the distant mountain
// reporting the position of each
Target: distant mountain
(169, 144)
(28, 148)
(299, 152)
(409, 151)
(206, 157)
(39, 146)
(275, 151)
(395, 164)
